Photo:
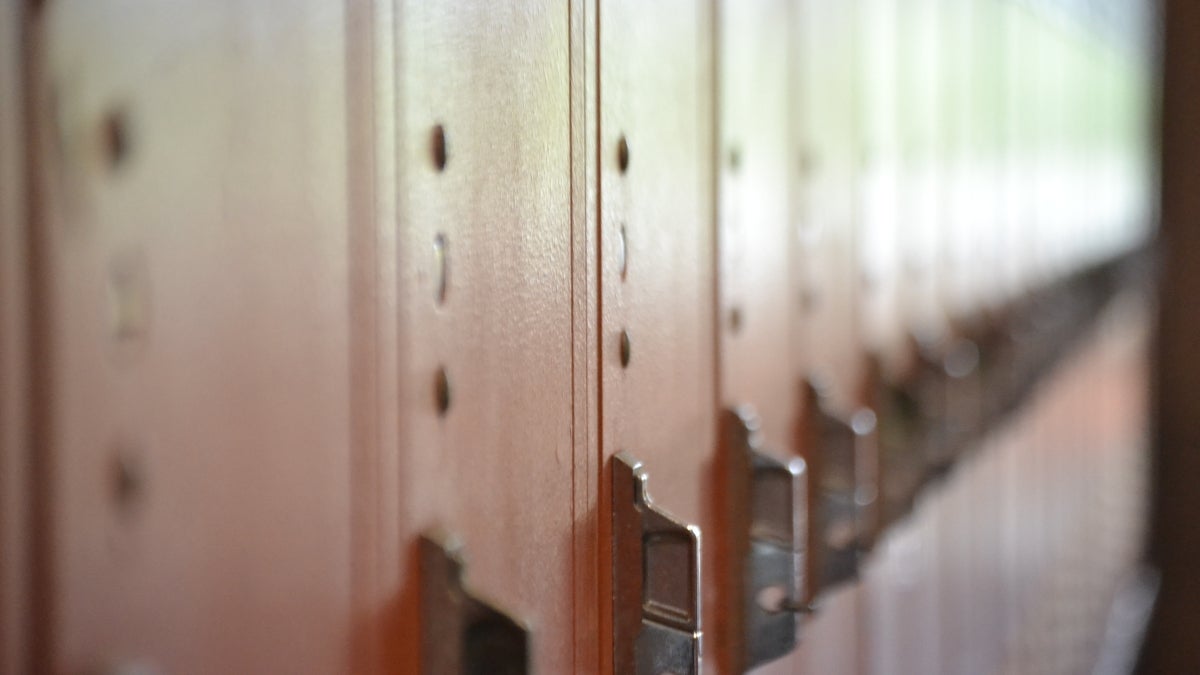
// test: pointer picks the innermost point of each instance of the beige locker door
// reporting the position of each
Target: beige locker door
(831, 155)
(658, 396)
(827, 127)
(758, 294)
(193, 291)
(483, 271)
(883, 328)
(14, 351)
(897, 580)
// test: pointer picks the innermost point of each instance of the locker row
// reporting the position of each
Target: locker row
(794, 529)
(588, 336)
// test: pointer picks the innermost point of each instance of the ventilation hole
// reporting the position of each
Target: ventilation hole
(441, 391)
(442, 263)
(623, 154)
(115, 139)
(806, 162)
(438, 147)
(128, 479)
(622, 253)
(810, 300)
(626, 349)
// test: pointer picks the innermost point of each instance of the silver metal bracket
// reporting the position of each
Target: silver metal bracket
(461, 633)
(656, 581)
(837, 528)
(768, 508)
(900, 427)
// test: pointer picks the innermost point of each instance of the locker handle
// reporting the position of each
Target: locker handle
(768, 509)
(838, 531)
(656, 581)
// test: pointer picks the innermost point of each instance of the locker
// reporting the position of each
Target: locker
(191, 301)
(483, 342)
(827, 119)
(656, 246)
(759, 297)
(600, 336)
(14, 331)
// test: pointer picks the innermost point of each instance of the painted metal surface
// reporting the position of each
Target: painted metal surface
(654, 150)
(484, 335)
(301, 287)
(759, 291)
(193, 289)
(16, 487)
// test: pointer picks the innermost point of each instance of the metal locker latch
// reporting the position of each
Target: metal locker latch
(656, 581)
(459, 632)
(903, 426)
(927, 388)
(963, 408)
(837, 529)
(767, 510)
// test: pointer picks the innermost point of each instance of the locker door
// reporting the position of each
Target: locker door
(831, 156)
(921, 115)
(657, 380)
(758, 292)
(880, 234)
(483, 262)
(192, 298)
(14, 354)
(896, 581)
(828, 123)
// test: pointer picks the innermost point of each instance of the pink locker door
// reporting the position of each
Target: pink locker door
(759, 296)
(14, 351)
(827, 128)
(477, 241)
(656, 350)
(193, 426)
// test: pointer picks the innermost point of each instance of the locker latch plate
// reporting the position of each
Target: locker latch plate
(837, 528)
(461, 633)
(656, 581)
(768, 513)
